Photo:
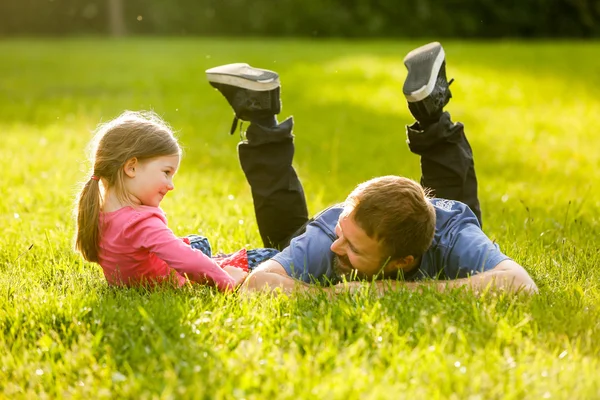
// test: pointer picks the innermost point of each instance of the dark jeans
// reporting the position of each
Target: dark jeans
(446, 165)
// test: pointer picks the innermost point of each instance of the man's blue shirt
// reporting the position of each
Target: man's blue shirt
(459, 248)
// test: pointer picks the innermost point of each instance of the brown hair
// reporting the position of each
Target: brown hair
(142, 135)
(396, 212)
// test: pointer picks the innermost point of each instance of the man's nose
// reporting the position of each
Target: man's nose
(337, 247)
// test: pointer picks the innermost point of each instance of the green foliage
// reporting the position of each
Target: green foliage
(532, 124)
(310, 18)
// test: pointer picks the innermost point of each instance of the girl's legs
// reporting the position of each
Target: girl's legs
(253, 256)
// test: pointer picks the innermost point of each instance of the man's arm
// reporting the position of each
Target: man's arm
(508, 276)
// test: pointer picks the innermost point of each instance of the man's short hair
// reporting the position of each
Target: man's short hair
(396, 212)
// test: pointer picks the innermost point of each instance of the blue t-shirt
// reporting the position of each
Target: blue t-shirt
(459, 248)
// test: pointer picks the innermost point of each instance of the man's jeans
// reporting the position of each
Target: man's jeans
(280, 206)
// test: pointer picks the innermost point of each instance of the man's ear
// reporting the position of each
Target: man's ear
(404, 264)
(130, 166)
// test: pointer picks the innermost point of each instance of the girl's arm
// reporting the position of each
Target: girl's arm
(153, 234)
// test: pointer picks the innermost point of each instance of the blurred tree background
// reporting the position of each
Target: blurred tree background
(306, 18)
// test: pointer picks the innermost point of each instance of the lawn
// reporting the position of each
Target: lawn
(530, 111)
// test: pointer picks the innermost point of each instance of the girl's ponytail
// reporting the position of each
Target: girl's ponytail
(88, 214)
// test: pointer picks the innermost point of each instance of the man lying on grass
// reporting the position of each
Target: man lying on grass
(388, 230)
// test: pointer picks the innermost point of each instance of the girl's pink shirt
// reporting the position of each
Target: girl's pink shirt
(136, 246)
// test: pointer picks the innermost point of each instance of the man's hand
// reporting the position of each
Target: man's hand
(270, 276)
(238, 274)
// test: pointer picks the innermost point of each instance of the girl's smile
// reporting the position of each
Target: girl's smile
(150, 180)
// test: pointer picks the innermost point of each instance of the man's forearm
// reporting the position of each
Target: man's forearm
(507, 276)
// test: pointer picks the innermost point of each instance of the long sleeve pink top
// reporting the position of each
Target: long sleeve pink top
(136, 246)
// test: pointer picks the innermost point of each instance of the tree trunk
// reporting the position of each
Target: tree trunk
(116, 20)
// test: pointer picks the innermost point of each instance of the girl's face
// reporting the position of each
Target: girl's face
(150, 180)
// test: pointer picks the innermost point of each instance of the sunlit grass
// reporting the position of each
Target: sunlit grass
(533, 126)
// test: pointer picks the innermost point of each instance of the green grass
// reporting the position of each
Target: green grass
(531, 113)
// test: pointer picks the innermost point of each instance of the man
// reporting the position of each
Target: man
(387, 230)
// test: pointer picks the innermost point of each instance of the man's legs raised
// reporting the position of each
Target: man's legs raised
(447, 165)
(267, 152)
(279, 202)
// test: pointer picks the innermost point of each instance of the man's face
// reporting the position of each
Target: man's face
(356, 252)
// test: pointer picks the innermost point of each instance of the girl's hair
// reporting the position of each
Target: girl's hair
(143, 135)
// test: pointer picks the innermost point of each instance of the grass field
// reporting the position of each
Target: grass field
(530, 111)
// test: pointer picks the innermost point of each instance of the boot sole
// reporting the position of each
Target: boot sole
(423, 66)
(244, 76)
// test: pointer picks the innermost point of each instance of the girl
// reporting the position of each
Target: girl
(119, 223)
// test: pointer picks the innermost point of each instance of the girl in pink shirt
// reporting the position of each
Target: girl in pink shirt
(119, 223)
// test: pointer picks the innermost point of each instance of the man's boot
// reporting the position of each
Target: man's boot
(426, 88)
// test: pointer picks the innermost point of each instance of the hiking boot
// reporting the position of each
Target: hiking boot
(426, 88)
(253, 93)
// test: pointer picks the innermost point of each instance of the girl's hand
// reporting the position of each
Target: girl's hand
(238, 274)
